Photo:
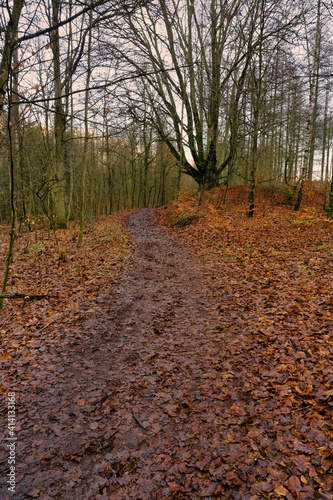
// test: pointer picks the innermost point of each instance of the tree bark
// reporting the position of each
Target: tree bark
(86, 135)
(11, 179)
(10, 41)
(59, 123)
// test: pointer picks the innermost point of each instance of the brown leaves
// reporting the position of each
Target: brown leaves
(274, 285)
(232, 395)
(281, 491)
(28, 330)
(294, 484)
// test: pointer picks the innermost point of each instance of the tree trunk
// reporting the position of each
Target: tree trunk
(10, 40)
(257, 98)
(323, 156)
(12, 183)
(59, 123)
(309, 143)
(86, 136)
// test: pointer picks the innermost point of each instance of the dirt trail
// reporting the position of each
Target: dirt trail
(117, 419)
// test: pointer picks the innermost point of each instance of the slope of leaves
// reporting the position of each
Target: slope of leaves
(30, 329)
(273, 279)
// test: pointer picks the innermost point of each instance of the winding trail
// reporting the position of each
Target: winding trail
(137, 409)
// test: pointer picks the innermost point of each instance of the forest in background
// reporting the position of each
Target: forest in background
(107, 105)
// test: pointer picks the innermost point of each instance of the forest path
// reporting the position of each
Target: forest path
(136, 410)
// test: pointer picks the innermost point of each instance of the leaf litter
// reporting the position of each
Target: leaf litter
(206, 372)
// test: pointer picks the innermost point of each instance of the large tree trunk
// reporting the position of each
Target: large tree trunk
(10, 40)
(59, 124)
(11, 127)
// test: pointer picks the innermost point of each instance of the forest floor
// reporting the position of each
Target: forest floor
(191, 358)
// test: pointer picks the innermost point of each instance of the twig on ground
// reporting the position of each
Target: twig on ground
(295, 346)
(138, 421)
(23, 296)
(48, 324)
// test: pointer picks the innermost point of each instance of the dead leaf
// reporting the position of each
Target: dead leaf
(281, 491)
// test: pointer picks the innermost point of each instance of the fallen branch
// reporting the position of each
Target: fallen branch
(138, 421)
(22, 296)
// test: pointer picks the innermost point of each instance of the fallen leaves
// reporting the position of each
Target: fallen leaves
(274, 286)
(281, 491)
(30, 328)
(198, 382)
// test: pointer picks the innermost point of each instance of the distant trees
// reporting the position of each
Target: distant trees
(189, 56)
(115, 102)
(53, 60)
